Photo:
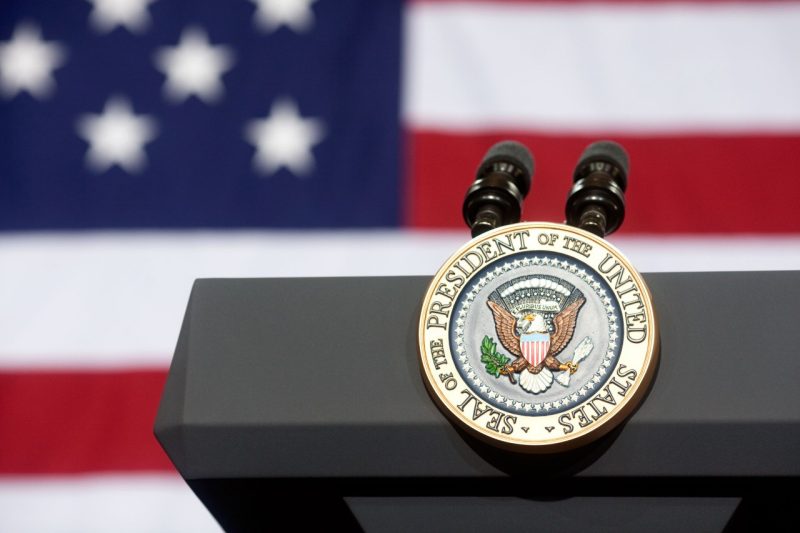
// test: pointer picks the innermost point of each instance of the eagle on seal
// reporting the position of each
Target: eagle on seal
(526, 336)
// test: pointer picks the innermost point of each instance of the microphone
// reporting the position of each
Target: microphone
(502, 181)
(596, 202)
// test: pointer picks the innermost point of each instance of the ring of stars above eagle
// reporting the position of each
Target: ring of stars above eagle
(194, 67)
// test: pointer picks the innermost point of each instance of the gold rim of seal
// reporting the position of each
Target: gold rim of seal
(621, 412)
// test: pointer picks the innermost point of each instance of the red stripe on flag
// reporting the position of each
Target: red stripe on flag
(678, 184)
(74, 422)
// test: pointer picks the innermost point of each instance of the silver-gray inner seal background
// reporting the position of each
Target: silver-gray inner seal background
(599, 319)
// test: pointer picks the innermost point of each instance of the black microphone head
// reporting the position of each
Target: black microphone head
(606, 156)
(514, 153)
(596, 202)
(503, 180)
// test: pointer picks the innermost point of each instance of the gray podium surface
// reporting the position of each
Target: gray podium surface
(318, 378)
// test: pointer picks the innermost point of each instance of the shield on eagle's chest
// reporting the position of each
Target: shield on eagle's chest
(534, 347)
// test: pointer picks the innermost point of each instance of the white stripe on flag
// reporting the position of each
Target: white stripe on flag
(625, 67)
(117, 300)
(118, 503)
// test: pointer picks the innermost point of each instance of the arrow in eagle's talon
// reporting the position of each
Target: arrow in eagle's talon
(508, 371)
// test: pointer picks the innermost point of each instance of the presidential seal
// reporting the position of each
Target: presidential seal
(538, 337)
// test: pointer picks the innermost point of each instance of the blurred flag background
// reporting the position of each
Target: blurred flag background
(146, 143)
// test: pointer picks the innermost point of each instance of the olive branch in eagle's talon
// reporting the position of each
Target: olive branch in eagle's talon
(496, 363)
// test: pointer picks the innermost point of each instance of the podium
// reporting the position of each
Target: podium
(302, 400)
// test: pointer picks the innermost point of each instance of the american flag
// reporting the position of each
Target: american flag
(146, 143)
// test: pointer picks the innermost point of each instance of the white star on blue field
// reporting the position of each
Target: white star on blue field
(187, 113)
